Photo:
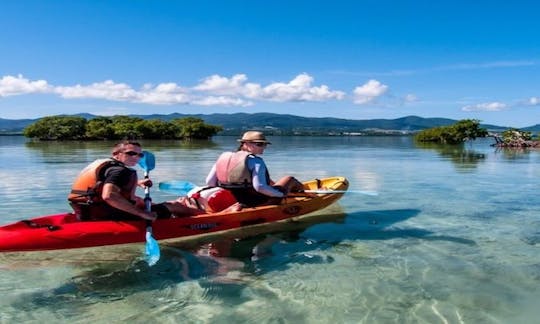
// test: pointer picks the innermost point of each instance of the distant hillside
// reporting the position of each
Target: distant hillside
(290, 124)
(14, 125)
(534, 129)
(233, 123)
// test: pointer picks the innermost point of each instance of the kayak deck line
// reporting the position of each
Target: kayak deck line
(33, 224)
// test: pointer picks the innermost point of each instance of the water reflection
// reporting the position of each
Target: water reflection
(51, 149)
(69, 151)
(166, 145)
(463, 159)
(514, 153)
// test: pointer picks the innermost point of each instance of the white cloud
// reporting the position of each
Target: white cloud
(163, 94)
(108, 90)
(12, 86)
(162, 98)
(410, 98)
(298, 89)
(368, 92)
(213, 90)
(222, 85)
(235, 86)
(534, 101)
(488, 106)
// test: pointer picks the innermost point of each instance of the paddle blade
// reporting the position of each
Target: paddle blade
(148, 161)
(152, 249)
(178, 187)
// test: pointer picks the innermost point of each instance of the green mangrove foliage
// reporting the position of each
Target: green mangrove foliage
(118, 127)
(513, 134)
(517, 138)
(463, 130)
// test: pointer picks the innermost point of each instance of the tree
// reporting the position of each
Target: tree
(127, 127)
(57, 128)
(100, 128)
(516, 138)
(469, 129)
(513, 134)
(116, 127)
(194, 128)
(463, 130)
(156, 129)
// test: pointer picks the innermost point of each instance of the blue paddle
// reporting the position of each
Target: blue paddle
(181, 188)
(178, 187)
(148, 162)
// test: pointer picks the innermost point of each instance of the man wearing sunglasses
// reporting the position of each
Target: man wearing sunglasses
(244, 173)
(105, 189)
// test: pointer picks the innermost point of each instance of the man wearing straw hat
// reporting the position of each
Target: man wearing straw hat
(244, 173)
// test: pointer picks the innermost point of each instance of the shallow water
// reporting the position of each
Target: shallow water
(452, 237)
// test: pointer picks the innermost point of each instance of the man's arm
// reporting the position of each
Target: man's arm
(111, 195)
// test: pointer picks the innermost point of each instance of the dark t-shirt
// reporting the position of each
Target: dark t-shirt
(120, 176)
(125, 179)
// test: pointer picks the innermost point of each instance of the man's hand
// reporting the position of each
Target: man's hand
(139, 202)
(143, 183)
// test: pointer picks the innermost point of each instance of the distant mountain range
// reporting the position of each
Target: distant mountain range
(235, 123)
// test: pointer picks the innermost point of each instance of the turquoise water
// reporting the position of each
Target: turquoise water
(452, 237)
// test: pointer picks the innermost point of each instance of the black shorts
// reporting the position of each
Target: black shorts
(106, 212)
(251, 198)
(161, 210)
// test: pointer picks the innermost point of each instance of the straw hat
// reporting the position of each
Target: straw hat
(253, 136)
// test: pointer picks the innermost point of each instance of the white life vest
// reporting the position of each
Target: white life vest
(232, 170)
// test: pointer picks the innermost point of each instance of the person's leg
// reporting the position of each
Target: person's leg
(179, 209)
(175, 208)
(191, 204)
(290, 184)
(232, 208)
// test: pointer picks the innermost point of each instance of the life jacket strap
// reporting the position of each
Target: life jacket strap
(83, 193)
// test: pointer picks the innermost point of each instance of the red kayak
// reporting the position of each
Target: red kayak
(64, 231)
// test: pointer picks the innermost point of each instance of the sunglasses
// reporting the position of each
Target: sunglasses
(131, 153)
(260, 144)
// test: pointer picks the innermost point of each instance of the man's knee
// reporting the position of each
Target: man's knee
(162, 210)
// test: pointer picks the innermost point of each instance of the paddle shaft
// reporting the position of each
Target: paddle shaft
(147, 203)
(147, 163)
(147, 199)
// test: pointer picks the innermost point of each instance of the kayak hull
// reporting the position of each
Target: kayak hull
(64, 231)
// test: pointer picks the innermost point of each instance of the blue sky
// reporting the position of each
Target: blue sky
(347, 59)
